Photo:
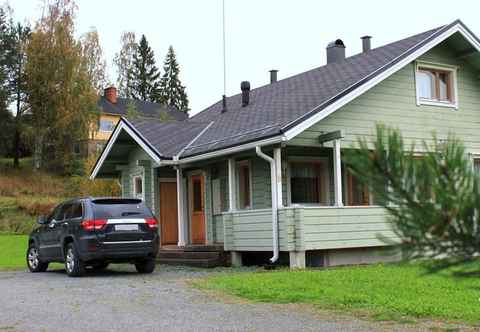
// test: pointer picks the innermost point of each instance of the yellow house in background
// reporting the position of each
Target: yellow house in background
(112, 108)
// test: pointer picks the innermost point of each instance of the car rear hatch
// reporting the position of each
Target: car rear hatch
(124, 221)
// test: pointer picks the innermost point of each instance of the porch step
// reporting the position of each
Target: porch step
(203, 256)
(195, 262)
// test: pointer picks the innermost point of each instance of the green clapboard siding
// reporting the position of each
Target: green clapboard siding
(308, 228)
(393, 102)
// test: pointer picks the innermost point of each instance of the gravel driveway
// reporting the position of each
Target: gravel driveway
(121, 300)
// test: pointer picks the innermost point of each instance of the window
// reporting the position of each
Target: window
(476, 165)
(74, 211)
(436, 85)
(197, 195)
(106, 125)
(138, 186)
(309, 182)
(244, 179)
(357, 193)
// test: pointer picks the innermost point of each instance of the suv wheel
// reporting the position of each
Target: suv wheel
(73, 265)
(33, 260)
(145, 266)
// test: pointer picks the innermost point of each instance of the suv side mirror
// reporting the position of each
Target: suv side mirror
(41, 220)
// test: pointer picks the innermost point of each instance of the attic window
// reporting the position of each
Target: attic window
(436, 85)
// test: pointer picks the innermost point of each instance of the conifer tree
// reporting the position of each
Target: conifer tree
(172, 91)
(144, 76)
(433, 200)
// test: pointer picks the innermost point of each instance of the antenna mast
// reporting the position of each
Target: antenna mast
(224, 55)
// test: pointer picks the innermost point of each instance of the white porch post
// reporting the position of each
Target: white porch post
(232, 191)
(277, 156)
(337, 172)
(180, 208)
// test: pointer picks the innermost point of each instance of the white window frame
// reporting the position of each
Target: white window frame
(238, 164)
(436, 66)
(134, 191)
(306, 159)
(106, 131)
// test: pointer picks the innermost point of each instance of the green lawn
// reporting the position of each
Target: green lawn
(391, 292)
(12, 252)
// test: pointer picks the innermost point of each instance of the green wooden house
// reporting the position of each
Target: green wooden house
(260, 174)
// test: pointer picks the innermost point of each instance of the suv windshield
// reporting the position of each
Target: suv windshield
(120, 208)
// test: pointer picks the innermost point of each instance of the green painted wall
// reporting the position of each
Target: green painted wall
(393, 102)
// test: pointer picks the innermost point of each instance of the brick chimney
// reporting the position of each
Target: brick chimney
(110, 94)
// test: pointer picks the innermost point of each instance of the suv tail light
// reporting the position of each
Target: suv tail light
(96, 224)
(151, 222)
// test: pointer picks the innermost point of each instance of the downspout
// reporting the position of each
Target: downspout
(273, 181)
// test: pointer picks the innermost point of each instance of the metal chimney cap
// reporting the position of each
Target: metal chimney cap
(245, 86)
(366, 37)
(336, 43)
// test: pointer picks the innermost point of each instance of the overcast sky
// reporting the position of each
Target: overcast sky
(261, 34)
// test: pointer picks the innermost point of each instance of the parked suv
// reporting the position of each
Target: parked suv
(93, 232)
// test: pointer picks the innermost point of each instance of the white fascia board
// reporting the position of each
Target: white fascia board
(302, 126)
(122, 126)
(235, 149)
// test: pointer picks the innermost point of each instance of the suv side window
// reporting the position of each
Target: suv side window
(62, 212)
(74, 211)
(55, 215)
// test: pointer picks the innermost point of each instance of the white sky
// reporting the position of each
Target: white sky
(261, 34)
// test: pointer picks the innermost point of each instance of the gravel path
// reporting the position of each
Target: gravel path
(121, 300)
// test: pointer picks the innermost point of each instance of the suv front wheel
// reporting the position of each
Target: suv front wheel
(33, 260)
(73, 265)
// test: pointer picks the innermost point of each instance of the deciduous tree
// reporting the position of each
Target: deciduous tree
(93, 60)
(124, 63)
(59, 90)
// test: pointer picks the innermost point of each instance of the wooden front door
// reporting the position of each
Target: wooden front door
(168, 213)
(197, 209)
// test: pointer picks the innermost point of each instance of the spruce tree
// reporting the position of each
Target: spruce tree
(172, 91)
(144, 79)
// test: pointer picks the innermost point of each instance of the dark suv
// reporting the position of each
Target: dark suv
(93, 232)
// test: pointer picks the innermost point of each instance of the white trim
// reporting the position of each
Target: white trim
(227, 151)
(302, 126)
(232, 200)
(122, 126)
(180, 209)
(337, 171)
(437, 66)
(140, 176)
(192, 141)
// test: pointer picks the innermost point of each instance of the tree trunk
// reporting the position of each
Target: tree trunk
(38, 151)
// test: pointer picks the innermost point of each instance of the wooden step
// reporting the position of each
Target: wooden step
(195, 262)
(189, 254)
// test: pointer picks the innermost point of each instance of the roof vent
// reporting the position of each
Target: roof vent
(366, 43)
(245, 87)
(224, 104)
(335, 51)
(273, 75)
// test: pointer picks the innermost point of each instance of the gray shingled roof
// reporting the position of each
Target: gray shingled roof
(147, 109)
(276, 107)
(168, 137)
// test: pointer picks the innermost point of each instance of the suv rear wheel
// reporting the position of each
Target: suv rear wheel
(33, 260)
(145, 266)
(73, 265)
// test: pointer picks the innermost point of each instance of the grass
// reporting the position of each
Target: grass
(12, 251)
(384, 292)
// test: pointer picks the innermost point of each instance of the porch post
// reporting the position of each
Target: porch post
(232, 201)
(337, 172)
(180, 208)
(277, 156)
